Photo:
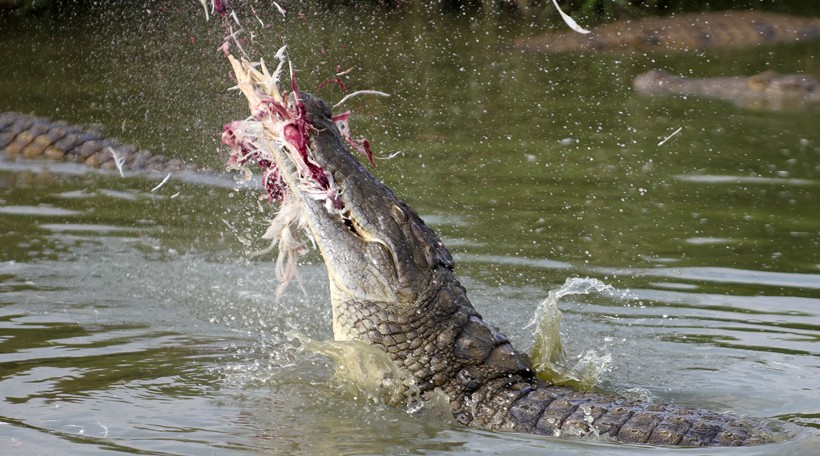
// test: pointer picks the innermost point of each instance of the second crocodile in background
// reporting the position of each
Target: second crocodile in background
(767, 90)
(687, 32)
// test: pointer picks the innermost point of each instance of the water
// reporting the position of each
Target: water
(547, 353)
(134, 321)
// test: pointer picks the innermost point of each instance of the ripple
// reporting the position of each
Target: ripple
(727, 179)
(444, 220)
(87, 228)
(730, 275)
(704, 274)
(43, 211)
(709, 240)
(515, 261)
(675, 286)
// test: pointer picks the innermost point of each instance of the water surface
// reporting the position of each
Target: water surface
(137, 321)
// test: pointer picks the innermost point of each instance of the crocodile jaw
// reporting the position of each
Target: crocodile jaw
(376, 248)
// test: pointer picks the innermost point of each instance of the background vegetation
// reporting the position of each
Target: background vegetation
(589, 10)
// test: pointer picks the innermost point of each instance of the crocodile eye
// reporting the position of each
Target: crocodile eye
(398, 214)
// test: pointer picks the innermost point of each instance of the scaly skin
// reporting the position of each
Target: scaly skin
(35, 137)
(392, 286)
(768, 90)
(687, 32)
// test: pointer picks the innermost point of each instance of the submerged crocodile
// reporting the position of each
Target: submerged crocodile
(393, 286)
(722, 29)
(767, 90)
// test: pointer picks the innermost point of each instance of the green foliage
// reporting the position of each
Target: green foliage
(591, 10)
(613, 9)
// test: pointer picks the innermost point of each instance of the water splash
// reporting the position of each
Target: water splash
(548, 355)
(363, 370)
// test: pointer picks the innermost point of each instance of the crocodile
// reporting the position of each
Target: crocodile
(687, 32)
(30, 137)
(393, 286)
(767, 90)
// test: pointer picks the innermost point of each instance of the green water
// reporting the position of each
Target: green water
(135, 321)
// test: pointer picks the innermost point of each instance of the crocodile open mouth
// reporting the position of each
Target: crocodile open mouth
(279, 126)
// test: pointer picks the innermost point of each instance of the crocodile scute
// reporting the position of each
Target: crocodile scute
(32, 137)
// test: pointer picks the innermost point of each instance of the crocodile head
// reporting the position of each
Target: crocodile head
(391, 279)
(376, 248)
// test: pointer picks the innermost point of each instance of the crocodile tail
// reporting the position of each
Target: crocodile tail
(559, 411)
(32, 137)
(493, 387)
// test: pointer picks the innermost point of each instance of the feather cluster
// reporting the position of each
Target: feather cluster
(278, 125)
(278, 122)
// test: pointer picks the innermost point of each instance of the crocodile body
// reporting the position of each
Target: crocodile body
(724, 29)
(768, 90)
(32, 137)
(393, 286)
